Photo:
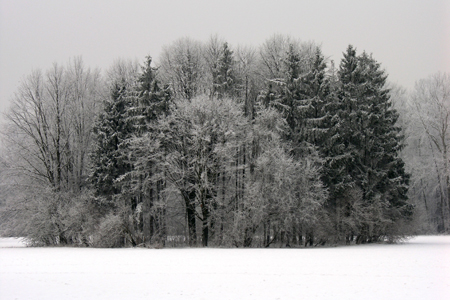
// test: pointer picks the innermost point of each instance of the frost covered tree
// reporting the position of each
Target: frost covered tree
(47, 138)
(298, 88)
(112, 130)
(182, 67)
(36, 125)
(110, 163)
(248, 83)
(431, 100)
(315, 90)
(148, 103)
(219, 59)
(189, 147)
(285, 193)
(224, 145)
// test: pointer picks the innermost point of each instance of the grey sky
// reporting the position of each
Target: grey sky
(411, 38)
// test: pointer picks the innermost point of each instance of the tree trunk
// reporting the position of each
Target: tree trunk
(205, 233)
(205, 221)
(189, 198)
(248, 236)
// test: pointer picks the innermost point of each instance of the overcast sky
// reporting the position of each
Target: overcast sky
(410, 38)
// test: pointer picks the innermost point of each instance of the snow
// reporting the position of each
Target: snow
(416, 269)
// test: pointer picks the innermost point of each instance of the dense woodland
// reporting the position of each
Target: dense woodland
(213, 145)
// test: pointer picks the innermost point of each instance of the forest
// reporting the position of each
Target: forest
(211, 145)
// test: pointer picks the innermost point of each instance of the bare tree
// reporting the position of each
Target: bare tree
(212, 52)
(182, 67)
(28, 132)
(49, 125)
(431, 99)
(248, 81)
(274, 53)
(85, 97)
(123, 71)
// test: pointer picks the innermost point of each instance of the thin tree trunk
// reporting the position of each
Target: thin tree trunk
(189, 198)
(442, 201)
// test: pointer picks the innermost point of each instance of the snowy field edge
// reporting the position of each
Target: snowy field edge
(416, 269)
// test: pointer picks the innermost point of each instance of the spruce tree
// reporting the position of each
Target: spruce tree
(112, 130)
(153, 99)
(144, 183)
(365, 175)
(223, 73)
(284, 93)
(313, 93)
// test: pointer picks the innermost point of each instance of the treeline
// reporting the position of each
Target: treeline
(424, 117)
(215, 147)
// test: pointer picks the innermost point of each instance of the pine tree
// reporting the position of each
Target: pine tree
(311, 105)
(284, 93)
(153, 100)
(112, 130)
(223, 74)
(365, 175)
(145, 183)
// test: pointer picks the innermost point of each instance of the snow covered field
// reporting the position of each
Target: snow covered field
(417, 269)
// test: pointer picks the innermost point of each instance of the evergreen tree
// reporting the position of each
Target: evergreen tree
(338, 148)
(152, 99)
(365, 173)
(112, 130)
(284, 93)
(223, 74)
(144, 183)
(313, 92)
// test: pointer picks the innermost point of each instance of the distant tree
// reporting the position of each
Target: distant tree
(248, 83)
(219, 60)
(182, 67)
(431, 98)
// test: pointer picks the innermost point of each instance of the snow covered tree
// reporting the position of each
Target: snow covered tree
(86, 92)
(248, 83)
(148, 102)
(182, 68)
(219, 59)
(153, 100)
(47, 135)
(223, 75)
(431, 100)
(286, 100)
(112, 130)
(364, 153)
(313, 96)
(189, 146)
(284, 194)
(298, 91)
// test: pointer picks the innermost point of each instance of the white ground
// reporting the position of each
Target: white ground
(417, 269)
